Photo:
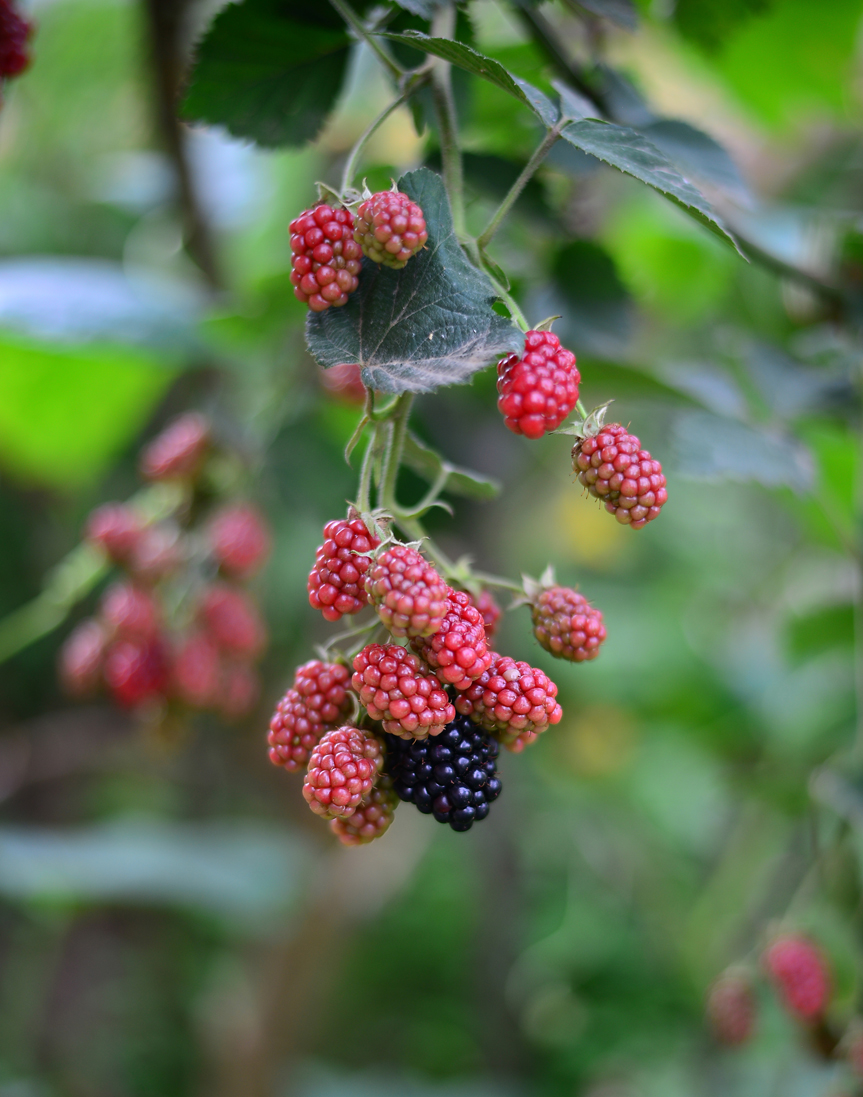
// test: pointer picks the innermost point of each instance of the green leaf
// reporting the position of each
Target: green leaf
(698, 155)
(823, 629)
(269, 70)
(633, 154)
(457, 53)
(427, 325)
(710, 447)
(67, 411)
(430, 465)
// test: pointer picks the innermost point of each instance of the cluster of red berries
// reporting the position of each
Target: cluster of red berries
(178, 629)
(15, 32)
(328, 243)
(434, 673)
(798, 971)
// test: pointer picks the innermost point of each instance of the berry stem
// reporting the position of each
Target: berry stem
(443, 26)
(350, 168)
(484, 239)
(397, 429)
(508, 300)
(355, 23)
(364, 491)
(581, 409)
(497, 581)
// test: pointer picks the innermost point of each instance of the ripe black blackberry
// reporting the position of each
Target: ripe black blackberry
(452, 776)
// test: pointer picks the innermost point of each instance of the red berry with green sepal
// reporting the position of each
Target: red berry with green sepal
(390, 228)
(538, 388)
(326, 259)
(613, 467)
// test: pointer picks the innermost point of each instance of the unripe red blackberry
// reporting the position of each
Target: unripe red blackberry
(490, 610)
(326, 259)
(407, 592)
(457, 652)
(240, 689)
(371, 819)
(453, 776)
(196, 672)
(335, 583)
(317, 700)
(179, 451)
(129, 611)
(345, 382)
(136, 671)
(81, 658)
(613, 467)
(513, 700)
(116, 529)
(233, 619)
(390, 228)
(567, 625)
(399, 689)
(798, 970)
(14, 33)
(732, 1008)
(539, 388)
(342, 770)
(240, 539)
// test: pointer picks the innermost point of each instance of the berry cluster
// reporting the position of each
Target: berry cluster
(438, 707)
(178, 629)
(15, 32)
(327, 245)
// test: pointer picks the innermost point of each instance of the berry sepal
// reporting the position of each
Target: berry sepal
(590, 425)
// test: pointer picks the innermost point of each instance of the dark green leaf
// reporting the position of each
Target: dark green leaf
(457, 53)
(427, 325)
(697, 154)
(634, 155)
(710, 447)
(792, 389)
(430, 465)
(269, 70)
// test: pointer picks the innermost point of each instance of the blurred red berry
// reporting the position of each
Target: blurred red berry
(156, 554)
(233, 619)
(732, 1008)
(128, 611)
(240, 539)
(179, 451)
(136, 671)
(81, 658)
(14, 33)
(116, 529)
(345, 382)
(196, 672)
(798, 970)
(241, 687)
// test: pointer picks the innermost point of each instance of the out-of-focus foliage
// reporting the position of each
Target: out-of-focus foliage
(170, 919)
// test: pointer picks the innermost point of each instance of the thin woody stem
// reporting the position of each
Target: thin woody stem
(353, 20)
(518, 186)
(350, 168)
(443, 26)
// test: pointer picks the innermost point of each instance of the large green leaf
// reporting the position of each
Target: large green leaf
(427, 325)
(269, 70)
(67, 411)
(695, 153)
(457, 53)
(633, 154)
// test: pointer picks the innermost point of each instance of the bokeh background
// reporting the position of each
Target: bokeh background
(173, 920)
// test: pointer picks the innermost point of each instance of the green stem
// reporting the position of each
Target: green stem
(398, 426)
(509, 300)
(497, 581)
(443, 26)
(581, 409)
(518, 186)
(352, 19)
(364, 491)
(350, 169)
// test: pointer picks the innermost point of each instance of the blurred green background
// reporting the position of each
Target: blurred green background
(175, 921)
